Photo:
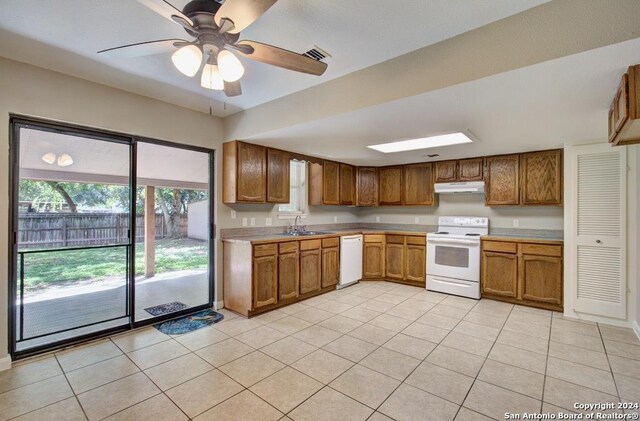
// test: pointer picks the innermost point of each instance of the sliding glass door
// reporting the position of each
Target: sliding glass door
(72, 240)
(173, 241)
(97, 248)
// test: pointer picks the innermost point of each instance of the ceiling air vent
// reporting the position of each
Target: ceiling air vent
(316, 53)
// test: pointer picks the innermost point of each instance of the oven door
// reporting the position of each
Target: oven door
(454, 258)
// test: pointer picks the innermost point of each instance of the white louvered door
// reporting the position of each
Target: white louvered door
(599, 227)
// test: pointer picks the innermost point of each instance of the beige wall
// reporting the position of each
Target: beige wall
(470, 205)
(33, 91)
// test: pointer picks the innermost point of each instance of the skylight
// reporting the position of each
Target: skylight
(422, 143)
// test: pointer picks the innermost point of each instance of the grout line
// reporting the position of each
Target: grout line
(613, 377)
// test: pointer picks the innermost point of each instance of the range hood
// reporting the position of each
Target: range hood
(468, 187)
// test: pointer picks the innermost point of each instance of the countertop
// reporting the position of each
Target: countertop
(524, 239)
(278, 238)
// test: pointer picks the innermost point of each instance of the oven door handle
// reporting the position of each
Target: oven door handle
(452, 241)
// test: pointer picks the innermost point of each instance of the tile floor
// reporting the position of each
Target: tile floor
(374, 351)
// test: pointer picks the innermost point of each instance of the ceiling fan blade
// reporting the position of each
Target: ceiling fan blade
(280, 57)
(232, 88)
(242, 12)
(166, 9)
(141, 49)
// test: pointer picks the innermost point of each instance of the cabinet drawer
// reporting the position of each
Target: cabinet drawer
(420, 241)
(289, 247)
(310, 244)
(499, 246)
(542, 250)
(395, 239)
(265, 250)
(330, 242)
(374, 238)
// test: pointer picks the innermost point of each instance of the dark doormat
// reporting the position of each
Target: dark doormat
(189, 323)
(166, 308)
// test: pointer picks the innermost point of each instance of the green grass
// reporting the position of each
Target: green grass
(44, 269)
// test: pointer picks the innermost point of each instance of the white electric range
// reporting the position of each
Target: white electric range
(453, 255)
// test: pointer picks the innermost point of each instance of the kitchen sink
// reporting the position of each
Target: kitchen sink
(304, 233)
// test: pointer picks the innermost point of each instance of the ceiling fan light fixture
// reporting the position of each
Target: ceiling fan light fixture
(65, 160)
(231, 68)
(187, 60)
(49, 158)
(211, 78)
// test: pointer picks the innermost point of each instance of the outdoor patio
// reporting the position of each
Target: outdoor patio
(69, 307)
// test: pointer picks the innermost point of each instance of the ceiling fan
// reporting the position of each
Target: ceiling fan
(215, 29)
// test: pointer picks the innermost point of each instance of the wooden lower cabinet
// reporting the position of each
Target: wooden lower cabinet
(310, 271)
(288, 275)
(265, 281)
(405, 259)
(539, 279)
(415, 264)
(330, 266)
(499, 274)
(523, 273)
(373, 256)
(395, 261)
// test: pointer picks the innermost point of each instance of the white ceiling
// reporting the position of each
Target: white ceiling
(538, 107)
(64, 35)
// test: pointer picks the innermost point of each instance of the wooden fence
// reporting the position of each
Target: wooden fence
(43, 230)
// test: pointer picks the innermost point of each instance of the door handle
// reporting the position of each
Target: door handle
(598, 241)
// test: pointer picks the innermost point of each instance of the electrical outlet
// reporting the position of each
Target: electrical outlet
(335, 219)
(377, 219)
(253, 222)
(244, 222)
(416, 220)
(516, 223)
(233, 214)
(268, 222)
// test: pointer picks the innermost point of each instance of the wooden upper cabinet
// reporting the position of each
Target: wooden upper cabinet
(390, 179)
(330, 183)
(470, 169)
(278, 176)
(347, 185)
(244, 169)
(541, 178)
(315, 182)
(624, 114)
(367, 186)
(502, 180)
(446, 171)
(418, 184)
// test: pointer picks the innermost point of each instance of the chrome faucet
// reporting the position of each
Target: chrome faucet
(295, 224)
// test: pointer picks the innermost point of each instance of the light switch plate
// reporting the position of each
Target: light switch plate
(233, 214)
(253, 222)
(416, 220)
(268, 222)
(244, 222)
(335, 219)
(516, 223)
(377, 219)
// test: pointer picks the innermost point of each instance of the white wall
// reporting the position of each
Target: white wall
(29, 90)
(544, 217)
(634, 215)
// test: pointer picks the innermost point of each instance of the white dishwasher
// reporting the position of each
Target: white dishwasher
(350, 260)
